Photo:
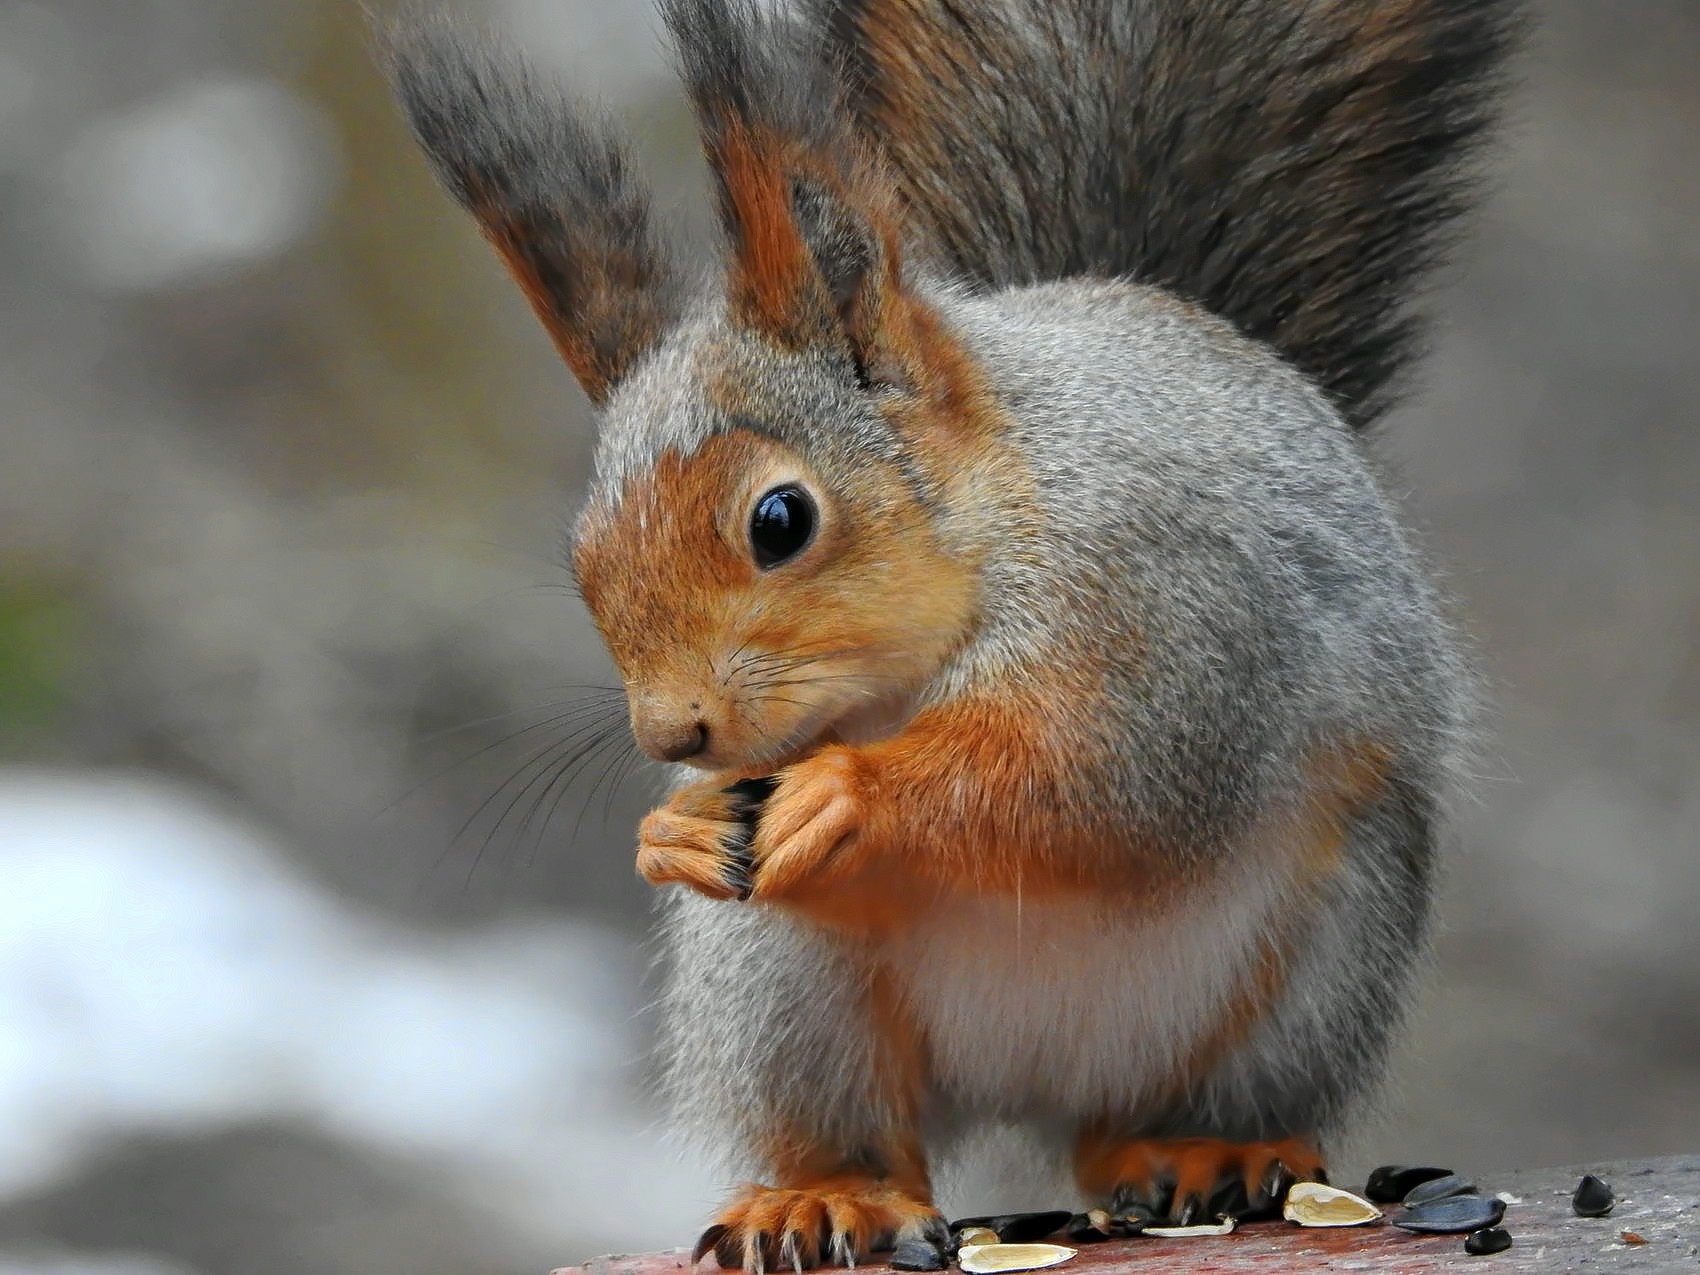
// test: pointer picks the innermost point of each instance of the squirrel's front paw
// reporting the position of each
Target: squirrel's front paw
(702, 839)
(808, 833)
(838, 1222)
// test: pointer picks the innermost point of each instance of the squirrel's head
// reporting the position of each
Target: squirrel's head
(780, 542)
(761, 556)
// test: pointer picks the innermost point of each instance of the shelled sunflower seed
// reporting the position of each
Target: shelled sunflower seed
(1317, 1204)
(991, 1259)
(1224, 1226)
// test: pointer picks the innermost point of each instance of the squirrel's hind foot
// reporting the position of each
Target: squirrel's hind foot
(837, 1222)
(1192, 1180)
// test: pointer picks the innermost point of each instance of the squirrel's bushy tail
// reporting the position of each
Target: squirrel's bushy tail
(1292, 165)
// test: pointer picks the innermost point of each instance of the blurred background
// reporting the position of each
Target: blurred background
(316, 954)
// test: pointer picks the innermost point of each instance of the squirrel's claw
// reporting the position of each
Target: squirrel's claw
(707, 1240)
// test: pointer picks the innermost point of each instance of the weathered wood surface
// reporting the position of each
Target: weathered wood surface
(1658, 1200)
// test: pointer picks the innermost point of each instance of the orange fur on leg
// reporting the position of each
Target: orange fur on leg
(831, 1207)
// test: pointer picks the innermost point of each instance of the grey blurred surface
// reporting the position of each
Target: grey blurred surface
(283, 468)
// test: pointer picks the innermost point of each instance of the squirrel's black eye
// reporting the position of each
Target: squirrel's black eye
(781, 525)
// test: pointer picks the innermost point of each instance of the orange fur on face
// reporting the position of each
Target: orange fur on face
(773, 661)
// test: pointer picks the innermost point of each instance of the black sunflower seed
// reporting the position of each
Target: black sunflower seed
(1492, 1239)
(1593, 1198)
(1082, 1229)
(1439, 1189)
(917, 1255)
(1019, 1228)
(749, 794)
(1391, 1183)
(1452, 1215)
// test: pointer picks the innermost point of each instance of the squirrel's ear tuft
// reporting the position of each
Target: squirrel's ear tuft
(551, 187)
(810, 214)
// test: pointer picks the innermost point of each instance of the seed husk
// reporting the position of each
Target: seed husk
(1097, 1225)
(1632, 1237)
(1439, 1189)
(1452, 1215)
(1593, 1198)
(1391, 1183)
(1317, 1204)
(1223, 1227)
(1018, 1228)
(1492, 1239)
(918, 1255)
(969, 1236)
(989, 1259)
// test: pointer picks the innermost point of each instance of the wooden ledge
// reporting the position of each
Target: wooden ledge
(1657, 1200)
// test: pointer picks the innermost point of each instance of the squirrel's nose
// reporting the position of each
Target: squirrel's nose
(673, 740)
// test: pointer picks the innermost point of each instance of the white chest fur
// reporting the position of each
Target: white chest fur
(1073, 1006)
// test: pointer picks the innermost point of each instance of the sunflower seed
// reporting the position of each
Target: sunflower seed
(1097, 1225)
(1593, 1198)
(1439, 1189)
(917, 1255)
(1316, 1204)
(1493, 1239)
(989, 1259)
(1224, 1227)
(1391, 1183)
(1018, 1228)
(1452, 1215)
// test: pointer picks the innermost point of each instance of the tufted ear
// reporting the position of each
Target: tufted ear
(810, 215)
(551, 187)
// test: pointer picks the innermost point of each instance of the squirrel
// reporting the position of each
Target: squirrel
(1066, 729)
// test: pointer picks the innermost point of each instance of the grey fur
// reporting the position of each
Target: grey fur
(1210, 499)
